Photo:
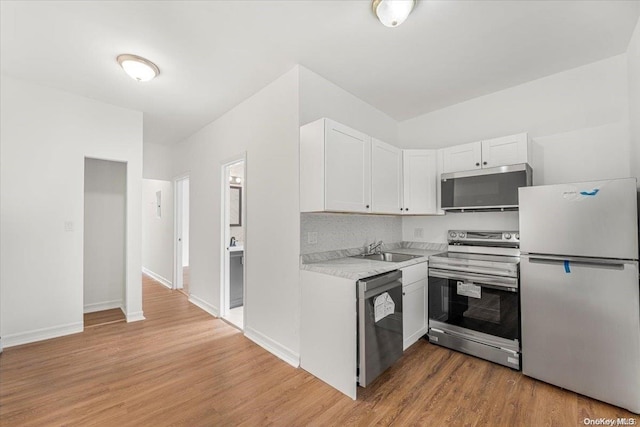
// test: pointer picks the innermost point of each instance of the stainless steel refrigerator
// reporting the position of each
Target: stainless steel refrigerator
(580, 301)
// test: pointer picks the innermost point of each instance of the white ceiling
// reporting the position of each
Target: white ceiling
(214, 54)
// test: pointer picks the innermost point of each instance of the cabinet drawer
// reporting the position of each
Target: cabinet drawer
(415, 273)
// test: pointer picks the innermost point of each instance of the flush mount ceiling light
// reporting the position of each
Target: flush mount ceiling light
(392, 12)
(138, 68)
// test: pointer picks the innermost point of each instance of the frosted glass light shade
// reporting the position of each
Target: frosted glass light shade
(392, 13)
(138, 68)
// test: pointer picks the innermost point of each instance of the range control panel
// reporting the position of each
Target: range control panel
(465, 236)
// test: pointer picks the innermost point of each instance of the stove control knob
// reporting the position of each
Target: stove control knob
(507, 236)
(517, 237)
(453, 235)
(461, 235)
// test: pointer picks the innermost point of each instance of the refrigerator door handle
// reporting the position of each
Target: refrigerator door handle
(578, 261)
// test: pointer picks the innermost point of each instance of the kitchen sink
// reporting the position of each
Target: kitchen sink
(388, 257)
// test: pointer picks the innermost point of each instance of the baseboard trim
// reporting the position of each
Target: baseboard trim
(273, 347)
(134, 317)
(200, 303)
(164, 281)
(42, 334)
(100, 306)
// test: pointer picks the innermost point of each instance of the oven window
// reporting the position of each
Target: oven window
(494, 313)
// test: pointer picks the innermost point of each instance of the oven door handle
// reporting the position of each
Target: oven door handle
(507, 283)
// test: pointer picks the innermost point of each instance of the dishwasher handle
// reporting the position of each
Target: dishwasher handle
(379, 284)
(380, 289)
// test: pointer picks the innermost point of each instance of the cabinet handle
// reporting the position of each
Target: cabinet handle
(400, 209)
(484, 163)
(367, 206)
(404, 293)
(477, 164)
(406, 209)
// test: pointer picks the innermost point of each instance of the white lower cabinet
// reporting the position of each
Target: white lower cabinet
(329, 330)
(415, 295)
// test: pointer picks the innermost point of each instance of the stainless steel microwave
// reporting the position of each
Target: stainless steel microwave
(490, 189)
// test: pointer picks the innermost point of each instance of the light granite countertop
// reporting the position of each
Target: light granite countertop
(341, 264)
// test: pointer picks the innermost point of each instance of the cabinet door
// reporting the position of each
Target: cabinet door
(414, 316)
(386, 178)
(506, 150)
(347, 169)
(463, 157)
(420, 180)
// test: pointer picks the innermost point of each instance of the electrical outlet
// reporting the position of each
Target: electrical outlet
(312, 237)
(68, 226)
(418, 232)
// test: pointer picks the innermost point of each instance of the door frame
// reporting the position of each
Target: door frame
(177, 228)
(226, 236)
(124, 307)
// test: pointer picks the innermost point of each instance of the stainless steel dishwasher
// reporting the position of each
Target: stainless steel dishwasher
(379, 324)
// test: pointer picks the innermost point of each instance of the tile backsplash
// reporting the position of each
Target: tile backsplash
(333, 231)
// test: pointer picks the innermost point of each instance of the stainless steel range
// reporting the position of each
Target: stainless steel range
(474, 300)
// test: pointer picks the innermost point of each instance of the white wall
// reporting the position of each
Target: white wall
(633, 62)
(321, 98)
(157, 233)
(578, 121)
(105, 198)
(586, 97)
(266, 127)
(157, 161)
(44, 138)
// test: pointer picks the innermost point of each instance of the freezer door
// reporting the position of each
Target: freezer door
(581, 327)
(593, 219)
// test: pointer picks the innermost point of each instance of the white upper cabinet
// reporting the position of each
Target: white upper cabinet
(420, 182)
(344, 170)
(335, 168)
(347, 169)
(462, 157)
(386, 178)
(506, 150)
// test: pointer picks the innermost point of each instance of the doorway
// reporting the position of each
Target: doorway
(234, 242)
(181, 235)
(104, 246)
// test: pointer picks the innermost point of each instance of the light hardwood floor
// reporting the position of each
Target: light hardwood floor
(183, 367)
(104, 317)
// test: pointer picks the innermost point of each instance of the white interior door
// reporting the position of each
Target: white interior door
(181, 234)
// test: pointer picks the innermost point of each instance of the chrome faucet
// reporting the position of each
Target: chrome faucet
(374, 248)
